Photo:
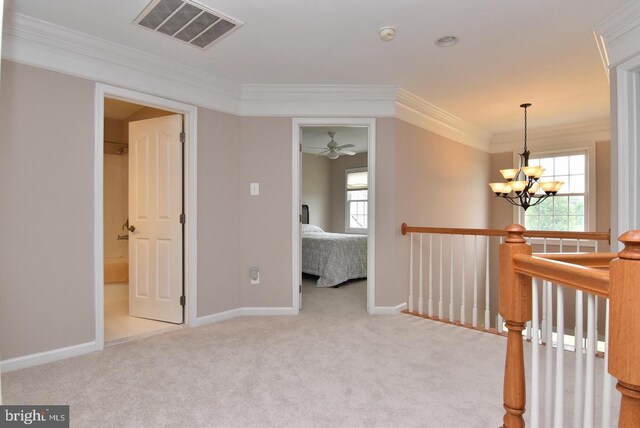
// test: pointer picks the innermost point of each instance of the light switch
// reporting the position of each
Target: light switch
(254, 189)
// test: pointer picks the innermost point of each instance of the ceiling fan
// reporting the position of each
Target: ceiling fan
(333, 150)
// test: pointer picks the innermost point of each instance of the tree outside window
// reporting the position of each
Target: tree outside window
(567, 210)
(357, 204)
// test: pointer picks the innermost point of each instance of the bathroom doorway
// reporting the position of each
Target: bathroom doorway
(143, 220)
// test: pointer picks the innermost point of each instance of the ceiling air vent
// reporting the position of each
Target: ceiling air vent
(187, 21)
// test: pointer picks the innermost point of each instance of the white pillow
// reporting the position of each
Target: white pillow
(306, 228)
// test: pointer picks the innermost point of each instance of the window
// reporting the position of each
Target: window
(357, 206)
(567, 210)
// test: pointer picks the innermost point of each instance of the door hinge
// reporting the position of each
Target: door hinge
(182, 137)
(183, 220)
(182, 301)
(300, 146)
(300, 218)
(300, 288)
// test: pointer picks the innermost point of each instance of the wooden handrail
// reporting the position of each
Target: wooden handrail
(593, 281)
(620, 284)
(593, 260)
(592, 236)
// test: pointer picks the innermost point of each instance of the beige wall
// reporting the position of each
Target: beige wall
(218, 211)
(116, 203)
(439, 183)
(316, 189)
(46, 250)
(338, 185)
(265, 235)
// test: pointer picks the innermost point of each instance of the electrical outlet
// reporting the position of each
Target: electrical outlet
(254, 276)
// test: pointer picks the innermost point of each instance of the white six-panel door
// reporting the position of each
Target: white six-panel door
(155, 231)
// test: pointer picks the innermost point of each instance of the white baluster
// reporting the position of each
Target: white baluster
(608, 379)
(548, 371)
(544, 300)
(487, 287)
(474, 317)
(420, 298)
(558, 412)
(430, 303)
(500, 327)
(535, 359)
(578, 377)
(452, 316)
(595, 322)
(462, 282)
(440, 296)
(589, 387)
(411, 273)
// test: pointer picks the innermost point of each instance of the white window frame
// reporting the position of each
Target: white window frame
(590, 187)
(347, 229)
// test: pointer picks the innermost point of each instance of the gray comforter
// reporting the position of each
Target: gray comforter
(334, 257)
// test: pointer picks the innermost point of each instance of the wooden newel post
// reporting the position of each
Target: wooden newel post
(624, 327)
(515, 308)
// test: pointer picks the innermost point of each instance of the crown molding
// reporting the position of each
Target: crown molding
(45, 45)
(318, 100)
(41, 44)
(618, 36)
(554, 136)
(421, 113)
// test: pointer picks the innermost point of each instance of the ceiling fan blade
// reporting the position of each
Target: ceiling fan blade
(345, 146)
(347, 152)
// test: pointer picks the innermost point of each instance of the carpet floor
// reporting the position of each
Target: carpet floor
(331, 366)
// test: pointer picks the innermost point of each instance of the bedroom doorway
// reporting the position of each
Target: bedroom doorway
(334, 214)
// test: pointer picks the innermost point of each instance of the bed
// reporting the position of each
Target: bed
(333, 257)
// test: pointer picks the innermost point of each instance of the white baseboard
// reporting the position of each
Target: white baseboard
(267, 311)
(85, 348)
(220, 316)
(388, 310)
(46, 357)
(233, 313)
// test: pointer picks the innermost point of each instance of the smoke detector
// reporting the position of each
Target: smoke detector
(187, 21)
(387, 33)
(446, 41)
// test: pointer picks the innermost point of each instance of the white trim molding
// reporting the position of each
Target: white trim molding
(370, 123)
(240, 312)
(421, 113)
(190, 197)
(45, 45)
(618, 36)
(213, 318)
(41, 44)
(264, 312)
(388, 310)
(46, 357)
(554, 136)
(318, 100)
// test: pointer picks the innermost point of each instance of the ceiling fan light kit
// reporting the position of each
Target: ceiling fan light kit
(333, 150)
(524, 181)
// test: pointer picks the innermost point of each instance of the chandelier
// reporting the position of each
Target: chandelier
(523, 187)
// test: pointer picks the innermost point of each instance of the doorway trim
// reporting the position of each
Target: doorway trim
(298, 123)
(626, 159)
(190, 113)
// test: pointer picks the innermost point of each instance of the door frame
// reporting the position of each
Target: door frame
(190, 113)
(298, 123)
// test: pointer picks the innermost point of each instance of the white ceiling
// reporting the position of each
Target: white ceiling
(317, 136)
(510, 51)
